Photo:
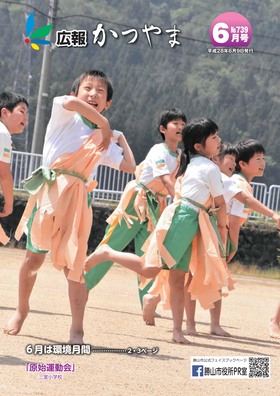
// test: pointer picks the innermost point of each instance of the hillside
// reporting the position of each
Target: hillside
(240, 92)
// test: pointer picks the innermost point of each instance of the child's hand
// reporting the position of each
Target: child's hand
(107, 135)
(7, 210)
(276, 218)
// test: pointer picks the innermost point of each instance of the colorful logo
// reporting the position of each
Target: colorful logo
(230, 30)
(35, 38)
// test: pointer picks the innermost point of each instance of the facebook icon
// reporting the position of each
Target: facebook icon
(197, 371)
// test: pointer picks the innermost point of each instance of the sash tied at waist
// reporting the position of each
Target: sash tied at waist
(46, 175)
(213, 219)
(152, 202)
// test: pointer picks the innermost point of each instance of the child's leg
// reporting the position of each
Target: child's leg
(176, 282)
(190, 306)
(215, 314)
(150, 303)
(117, 236)
(127, 260)
(274, 325)
(78, 296)
(27, 277)
(139, 240)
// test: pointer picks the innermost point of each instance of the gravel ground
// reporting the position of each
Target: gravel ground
(113, 320)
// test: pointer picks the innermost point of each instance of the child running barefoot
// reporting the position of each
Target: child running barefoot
(58, 216)
(142, 203)
(183, 224)
(274, 325)
(226, 160)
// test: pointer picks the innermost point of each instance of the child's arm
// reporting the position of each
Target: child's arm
(222, 217)
(168, 184)
(128, 163)
(72, 103)
(6, 182)
(234, 229)
(251, 202)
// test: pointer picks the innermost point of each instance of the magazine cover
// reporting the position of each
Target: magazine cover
(139, 197)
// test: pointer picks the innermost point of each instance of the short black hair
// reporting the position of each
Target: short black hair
(169, 115)
(9, 100)
(96, 74)
(246, 149)
(227, 148)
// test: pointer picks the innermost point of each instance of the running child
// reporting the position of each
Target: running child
(58, 216)
(143, 201)
(184, 230)
(13, 120)
(250, 163)
(226, 160)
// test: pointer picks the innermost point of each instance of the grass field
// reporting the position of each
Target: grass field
(253, 270)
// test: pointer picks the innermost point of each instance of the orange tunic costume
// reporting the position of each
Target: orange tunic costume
(208, 268)
(63, 219)
(135, 217)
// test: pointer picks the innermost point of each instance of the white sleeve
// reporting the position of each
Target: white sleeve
(238, 209)
(215, 185)
(59, 116)
(113, 156)
(5, 148)
(230, 189)
(158, 161)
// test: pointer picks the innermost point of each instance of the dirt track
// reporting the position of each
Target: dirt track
(113, 320)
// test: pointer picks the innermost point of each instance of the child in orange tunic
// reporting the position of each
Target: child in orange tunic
(142, 203)
(226, 160)
(185, 231)
(58, 217)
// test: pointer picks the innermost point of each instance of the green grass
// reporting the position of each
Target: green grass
(254, 271)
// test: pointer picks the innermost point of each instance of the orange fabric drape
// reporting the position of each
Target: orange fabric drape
(63, 219)
(3, 237)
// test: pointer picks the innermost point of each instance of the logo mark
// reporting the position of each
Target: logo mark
(197, 371)
(35, 38)
(230, 29)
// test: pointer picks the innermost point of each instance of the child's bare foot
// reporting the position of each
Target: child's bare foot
(191, 329)
(219, 331)
(14, 325)
(274, 329)
(179, 338)
(76, 338)
(101, 254)
(149, 307)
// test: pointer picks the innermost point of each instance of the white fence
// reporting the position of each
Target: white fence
(111, 182)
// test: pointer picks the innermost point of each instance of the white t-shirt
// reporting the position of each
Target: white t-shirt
(230, 190)
(159, 161)
(5, 144)
(66, 132)
(201, 179)
(237, 208)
